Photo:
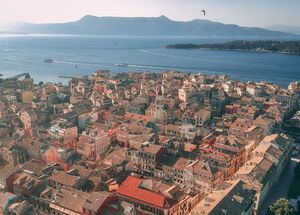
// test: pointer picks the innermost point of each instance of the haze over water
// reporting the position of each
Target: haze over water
(26, 53)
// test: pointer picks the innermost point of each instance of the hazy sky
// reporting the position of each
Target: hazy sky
(242, 12)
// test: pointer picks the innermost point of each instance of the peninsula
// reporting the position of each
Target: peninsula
(288, 47)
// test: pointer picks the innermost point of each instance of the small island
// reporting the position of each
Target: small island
(288, 47)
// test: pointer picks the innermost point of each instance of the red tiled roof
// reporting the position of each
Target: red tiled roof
(136, 116)
(130, 188)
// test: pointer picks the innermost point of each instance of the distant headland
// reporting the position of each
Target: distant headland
(287, 47)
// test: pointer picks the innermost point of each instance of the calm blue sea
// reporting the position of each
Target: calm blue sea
(26, 53)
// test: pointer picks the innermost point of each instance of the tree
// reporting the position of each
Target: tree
(281, 207)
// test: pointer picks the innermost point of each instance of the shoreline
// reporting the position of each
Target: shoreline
(236, 50)
(267, 46)
(243, 50)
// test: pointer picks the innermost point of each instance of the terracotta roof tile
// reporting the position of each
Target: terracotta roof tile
(131, 188)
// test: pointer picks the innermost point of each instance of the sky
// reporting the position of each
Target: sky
(242, 12)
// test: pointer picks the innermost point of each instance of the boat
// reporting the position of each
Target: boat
(68, 76)
(48, 60)
(121, 64)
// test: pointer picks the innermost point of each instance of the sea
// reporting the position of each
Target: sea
(78, 55)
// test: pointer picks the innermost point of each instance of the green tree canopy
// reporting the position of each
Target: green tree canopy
(281, 207)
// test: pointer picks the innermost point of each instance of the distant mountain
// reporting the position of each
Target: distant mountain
(139, 26)
(285, 28)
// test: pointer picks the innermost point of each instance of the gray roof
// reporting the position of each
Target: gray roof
(238, 200)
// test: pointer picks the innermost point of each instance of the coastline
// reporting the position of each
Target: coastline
(241, 50)
(268, 46)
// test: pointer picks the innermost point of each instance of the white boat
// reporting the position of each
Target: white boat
(121, 64)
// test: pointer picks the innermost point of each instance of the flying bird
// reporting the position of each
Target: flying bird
(203, 11)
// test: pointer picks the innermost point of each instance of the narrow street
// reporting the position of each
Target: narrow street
(280, 190)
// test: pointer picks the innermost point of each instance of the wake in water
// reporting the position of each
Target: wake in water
(137, 66)
(157, 53)
(5, 50)
(159, 67)
(168, 55)
(79, 63)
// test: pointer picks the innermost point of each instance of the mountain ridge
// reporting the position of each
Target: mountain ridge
(284, 28)
(144, 26)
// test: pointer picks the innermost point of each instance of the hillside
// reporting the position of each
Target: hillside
(144, 26)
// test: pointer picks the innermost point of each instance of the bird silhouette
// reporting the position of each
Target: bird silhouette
(203, 11)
